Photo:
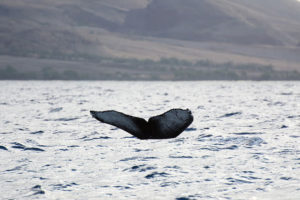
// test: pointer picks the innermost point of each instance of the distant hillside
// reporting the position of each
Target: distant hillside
(263, 33)
(239, 21)
(50, 27)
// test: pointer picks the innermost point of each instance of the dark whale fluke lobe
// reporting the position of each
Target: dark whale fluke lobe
(167, 125)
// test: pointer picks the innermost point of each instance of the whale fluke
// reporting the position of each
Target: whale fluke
(167, 125)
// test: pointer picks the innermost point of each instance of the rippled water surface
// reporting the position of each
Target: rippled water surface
(243, 143)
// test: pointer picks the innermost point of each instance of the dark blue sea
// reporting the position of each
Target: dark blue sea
(244, 142)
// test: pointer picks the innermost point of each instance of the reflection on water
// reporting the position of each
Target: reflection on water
(243, 143)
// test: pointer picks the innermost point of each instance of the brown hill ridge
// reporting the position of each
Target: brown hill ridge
(241, 22)
(239, 31)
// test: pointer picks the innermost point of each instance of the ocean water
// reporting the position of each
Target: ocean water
(244, 142)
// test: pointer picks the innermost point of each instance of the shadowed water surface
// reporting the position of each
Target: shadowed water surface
(243, 143)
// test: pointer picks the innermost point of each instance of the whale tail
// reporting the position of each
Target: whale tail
(171, 123)
(133, 125)
(167, 125)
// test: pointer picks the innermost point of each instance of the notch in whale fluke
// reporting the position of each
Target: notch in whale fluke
(167, 125)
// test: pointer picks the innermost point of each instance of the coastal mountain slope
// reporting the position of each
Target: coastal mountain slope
(52, 27)
(220, 31)
(242, 22)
